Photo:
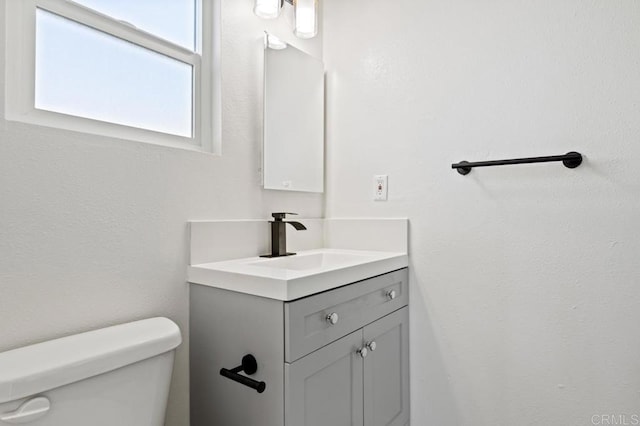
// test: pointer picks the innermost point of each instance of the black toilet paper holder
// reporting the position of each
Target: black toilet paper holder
(249, 366)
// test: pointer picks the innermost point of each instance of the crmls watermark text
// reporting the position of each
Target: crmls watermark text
(615, 419)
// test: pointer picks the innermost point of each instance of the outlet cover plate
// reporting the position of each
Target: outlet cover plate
(380, 187)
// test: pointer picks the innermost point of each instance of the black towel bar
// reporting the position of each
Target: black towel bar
(571, 160)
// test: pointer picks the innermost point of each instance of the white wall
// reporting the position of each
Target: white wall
(93, 231)
(525, 297)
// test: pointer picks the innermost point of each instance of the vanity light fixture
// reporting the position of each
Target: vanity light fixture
(306, 22)
(305, 13)
(267, 9)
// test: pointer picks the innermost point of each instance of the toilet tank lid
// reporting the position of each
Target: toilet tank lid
(37, 368)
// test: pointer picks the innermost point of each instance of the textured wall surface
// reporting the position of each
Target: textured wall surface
(93, 231)
(526, 294)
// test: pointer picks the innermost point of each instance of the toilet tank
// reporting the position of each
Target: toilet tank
(115, 376)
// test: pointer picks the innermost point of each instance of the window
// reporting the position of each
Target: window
(141, 70)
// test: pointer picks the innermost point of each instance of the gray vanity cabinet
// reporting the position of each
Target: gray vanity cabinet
(338, 386)
(338, 358)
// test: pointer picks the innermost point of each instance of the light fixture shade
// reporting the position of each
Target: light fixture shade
(306, 18)
(267, 9)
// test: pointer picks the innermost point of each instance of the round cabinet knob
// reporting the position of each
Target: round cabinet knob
(332, 318)
(391, 294)
(363, 352)
(372, 345)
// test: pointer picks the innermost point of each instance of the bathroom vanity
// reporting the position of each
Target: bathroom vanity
(329, 332)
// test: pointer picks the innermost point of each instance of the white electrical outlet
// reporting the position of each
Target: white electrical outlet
(380, 187)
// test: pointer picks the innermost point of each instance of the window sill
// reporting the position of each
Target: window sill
(52, 120)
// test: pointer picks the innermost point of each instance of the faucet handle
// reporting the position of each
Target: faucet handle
(280, 216)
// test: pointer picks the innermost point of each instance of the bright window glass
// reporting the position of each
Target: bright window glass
(172, 20)
(87, 73)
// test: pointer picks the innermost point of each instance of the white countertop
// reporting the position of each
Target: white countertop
(292, 277)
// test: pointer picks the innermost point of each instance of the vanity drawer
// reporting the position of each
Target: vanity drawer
(307, 321)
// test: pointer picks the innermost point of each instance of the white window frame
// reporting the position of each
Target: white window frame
(20, 72)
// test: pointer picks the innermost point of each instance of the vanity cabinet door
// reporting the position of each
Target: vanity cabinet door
(325, 387)
(386, 371)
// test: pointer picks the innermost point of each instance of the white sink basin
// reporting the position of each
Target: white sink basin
(304, 261)
(293, 277)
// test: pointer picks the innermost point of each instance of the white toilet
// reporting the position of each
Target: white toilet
(115, 376)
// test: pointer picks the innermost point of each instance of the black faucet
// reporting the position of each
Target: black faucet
(279, 234)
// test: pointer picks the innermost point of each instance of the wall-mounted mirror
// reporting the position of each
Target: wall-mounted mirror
(293, 119)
